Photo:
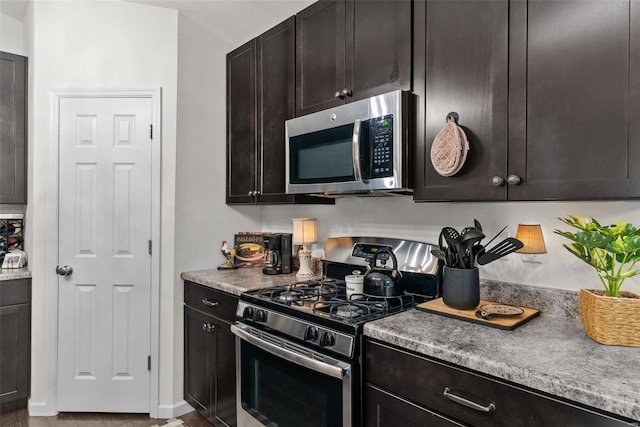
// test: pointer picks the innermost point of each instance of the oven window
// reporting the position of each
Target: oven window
(276, 391)
(322, 156)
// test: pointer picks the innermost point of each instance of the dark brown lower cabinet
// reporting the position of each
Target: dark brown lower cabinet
(209, 353)
(407, 389)
(15, 343)
(384, 409)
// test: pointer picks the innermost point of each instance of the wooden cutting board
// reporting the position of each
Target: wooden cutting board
(438, 306)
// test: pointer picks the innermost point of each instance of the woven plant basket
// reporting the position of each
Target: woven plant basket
(611, 321)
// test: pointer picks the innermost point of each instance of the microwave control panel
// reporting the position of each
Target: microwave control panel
(381, 143)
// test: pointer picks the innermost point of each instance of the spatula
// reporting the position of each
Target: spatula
(507, 246)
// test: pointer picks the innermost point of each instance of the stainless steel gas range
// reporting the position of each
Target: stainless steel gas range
(299, 347)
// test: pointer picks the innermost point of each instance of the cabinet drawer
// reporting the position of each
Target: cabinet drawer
(210, 301)
(15, 291)
(424, 382)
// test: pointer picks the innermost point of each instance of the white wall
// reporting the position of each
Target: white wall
(401, 217)
(203, 220)
(95, 44)
(11, 35)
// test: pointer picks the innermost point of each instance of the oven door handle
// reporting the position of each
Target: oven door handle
(339, 370)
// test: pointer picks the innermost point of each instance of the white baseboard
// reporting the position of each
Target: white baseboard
(173, 410)
(41, 409)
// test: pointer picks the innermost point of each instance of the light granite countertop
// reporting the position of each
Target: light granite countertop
(237, 281)
(14, 273)
(550, 353)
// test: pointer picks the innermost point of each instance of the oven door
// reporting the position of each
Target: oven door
(283, 384)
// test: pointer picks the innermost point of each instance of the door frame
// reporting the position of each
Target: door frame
(52, 248)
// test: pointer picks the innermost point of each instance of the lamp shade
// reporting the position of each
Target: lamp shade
(305, 230)
(531, 236)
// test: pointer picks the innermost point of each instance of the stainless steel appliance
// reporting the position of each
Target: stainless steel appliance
(299, 347)
(359, 147)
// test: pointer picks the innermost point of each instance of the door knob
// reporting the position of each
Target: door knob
(66, 270)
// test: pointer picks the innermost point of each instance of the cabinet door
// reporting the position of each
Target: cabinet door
(461, 66)
(15, 356)
(276, 97)
(13, 142)
(225, 375)
(199, 357)
(383, 409)
(378, 47)
(241, 124)
(320, 56)
(574, 85)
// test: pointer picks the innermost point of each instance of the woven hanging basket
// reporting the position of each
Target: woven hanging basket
(609, 320)
(449, 149)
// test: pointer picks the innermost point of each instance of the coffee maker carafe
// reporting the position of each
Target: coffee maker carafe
(272, 255)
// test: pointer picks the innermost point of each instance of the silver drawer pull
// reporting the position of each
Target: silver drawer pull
(210, 303)
(469, 404)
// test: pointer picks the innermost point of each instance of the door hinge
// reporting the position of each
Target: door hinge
(150, 131)
(149, 247)
(148, 363)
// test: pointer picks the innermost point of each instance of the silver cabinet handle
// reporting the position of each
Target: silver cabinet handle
(513, 180)
(208, 327)
(250, 193)
(357, 172)
(469, 404)
(497, 181)
(338, 95)
(346, 92)
(65, 270)
(210, 303)
(257, 193)
(204, 327)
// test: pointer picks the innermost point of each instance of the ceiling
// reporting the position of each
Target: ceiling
(235, 21)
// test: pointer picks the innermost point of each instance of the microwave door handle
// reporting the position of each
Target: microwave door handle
(357, 171)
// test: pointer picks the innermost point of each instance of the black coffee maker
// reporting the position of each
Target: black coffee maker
(277, 256)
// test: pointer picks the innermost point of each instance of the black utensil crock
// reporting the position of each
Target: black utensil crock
(461, 287)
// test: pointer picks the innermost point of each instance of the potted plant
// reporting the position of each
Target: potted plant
(609, 316)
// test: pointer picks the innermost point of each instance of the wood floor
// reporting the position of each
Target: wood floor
(21, 418)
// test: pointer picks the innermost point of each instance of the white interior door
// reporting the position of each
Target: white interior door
(104, 232)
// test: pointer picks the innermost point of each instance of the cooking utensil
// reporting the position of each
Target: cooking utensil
(496, 236)
(503, 248)
(440, 254)
(382, 281)
(468, 239)
(451, 236)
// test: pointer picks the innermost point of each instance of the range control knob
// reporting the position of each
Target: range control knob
(261, 316)
(310, 333)
(248, 313)
(327, 339)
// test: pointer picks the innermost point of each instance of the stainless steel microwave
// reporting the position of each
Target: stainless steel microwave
(359, 147)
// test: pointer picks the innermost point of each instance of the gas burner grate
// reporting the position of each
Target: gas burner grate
(366, 307)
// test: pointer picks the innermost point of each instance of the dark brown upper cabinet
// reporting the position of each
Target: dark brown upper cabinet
(348, 50)
(13, 133)
(564, 129)
(461, 60)
(574, 100)
(260, 97)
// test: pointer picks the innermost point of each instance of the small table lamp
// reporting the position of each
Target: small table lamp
(531, 236)
(305, 231)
